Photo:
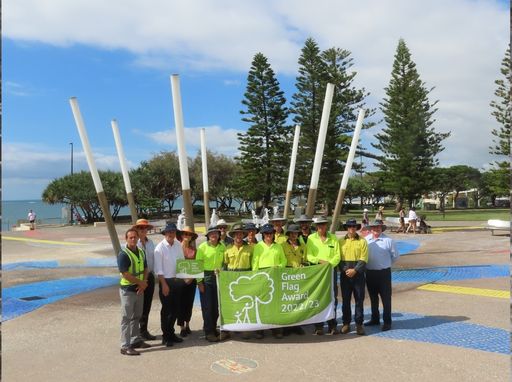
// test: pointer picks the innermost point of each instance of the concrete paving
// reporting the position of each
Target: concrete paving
(436, 335)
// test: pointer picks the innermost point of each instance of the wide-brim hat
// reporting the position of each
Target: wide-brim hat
(351, 223)
(267, 228)
(143, 223)
(277, 218)
(377, 223)
(212, 229)
(303, 219)
(189, 230)
(238, 227)
(320, 220)
(169, 227)
(251, 227)
(221, 222)
(293, 228)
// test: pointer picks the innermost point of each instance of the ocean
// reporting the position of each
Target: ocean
(15, 210)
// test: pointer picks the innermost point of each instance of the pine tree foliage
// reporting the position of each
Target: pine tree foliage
(316, 69)
(265, 147)
(409, 141)
(501, 112)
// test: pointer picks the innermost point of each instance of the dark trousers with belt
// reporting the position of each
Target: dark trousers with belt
(171, 305)
(148, 299)
(378, 283)
(187, 302)
(332, 322)
(209, 303)
(352, 286)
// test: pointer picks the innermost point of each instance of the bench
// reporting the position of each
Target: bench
(498, 225)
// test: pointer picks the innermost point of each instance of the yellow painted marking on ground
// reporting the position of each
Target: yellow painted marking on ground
(459, 228)
(466, 290)
(40, 240)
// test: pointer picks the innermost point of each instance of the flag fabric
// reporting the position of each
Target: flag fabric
(275, 297)
(189, 269)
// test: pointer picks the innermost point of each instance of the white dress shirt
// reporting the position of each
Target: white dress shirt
(165, 258)
(382, 252)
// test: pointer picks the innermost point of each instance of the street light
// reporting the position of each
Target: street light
(71, 209)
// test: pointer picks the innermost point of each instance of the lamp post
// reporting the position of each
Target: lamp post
(71, 209)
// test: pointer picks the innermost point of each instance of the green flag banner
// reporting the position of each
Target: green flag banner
(189, 269)
(275, 297)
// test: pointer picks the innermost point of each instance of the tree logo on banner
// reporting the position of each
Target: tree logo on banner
(240, 289)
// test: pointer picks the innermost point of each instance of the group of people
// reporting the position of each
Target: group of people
(361, 261)
(411, 223)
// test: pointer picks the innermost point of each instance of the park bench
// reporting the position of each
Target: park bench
(498, 225)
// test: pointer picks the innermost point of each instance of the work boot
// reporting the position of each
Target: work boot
(224, 336)
(360, 330)
(277, 333)
(372, 323)
(345, 328)
(259, 335)
(386, 327)
(212, 338)
(319, 332)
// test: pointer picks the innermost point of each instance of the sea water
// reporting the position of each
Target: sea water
(16, 211)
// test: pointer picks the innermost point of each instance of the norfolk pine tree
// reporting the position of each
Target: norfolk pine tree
(265, 147)
(409, 142)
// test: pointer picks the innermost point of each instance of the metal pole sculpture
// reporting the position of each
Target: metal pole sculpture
(317, 164)
(124, 170)
(182, 154)
(95, 176)
(346, 172)
(291, 174)
(204, 166)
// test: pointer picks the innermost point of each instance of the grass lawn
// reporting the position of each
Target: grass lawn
(450, 215)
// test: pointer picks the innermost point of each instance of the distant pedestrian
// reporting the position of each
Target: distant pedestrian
(413, 218)
(401, 218)
(32, 219)
(382, 254)
(380, 214)
(365, 219)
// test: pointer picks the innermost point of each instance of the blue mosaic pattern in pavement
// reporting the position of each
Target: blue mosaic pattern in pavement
(433, 274)
(48, 292)
(52, 264)
(404, 247)
(445, 330)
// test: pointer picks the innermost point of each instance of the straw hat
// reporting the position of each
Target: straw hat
(189, 230)
(143, 223)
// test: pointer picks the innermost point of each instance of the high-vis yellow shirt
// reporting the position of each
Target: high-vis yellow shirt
(280, 238)
(238, 258)
(265, 256)
(212, 257)
(328, 250)
(295, 256)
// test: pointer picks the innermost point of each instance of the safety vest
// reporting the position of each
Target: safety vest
(136, 266)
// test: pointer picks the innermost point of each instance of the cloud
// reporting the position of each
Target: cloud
(16, 89)
(219, 140)
(457, 45)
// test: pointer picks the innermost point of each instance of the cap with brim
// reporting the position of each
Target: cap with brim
(238, 227)
(222, 223)
(169, 227)
(251, 227)
(212, 229)
(377, 223)
(142, 223)
(320, 220)
(303, 219)
(293, 228)
(267, 228)
(189, 230)
(351, 223)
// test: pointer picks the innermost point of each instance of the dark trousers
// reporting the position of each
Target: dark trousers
(187, 302)
(352, 286)
(148, 299)
(332, 322)
(209, 303)
(170, 307)
(379, 283)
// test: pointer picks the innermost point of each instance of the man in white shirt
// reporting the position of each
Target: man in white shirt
(166, 253)
(382, 254)
(32, 219)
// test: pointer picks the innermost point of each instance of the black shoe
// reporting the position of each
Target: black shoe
(299, 331)
(372, 323)
(141, 345)
(183, 333)
(168, 344)
(175, 338)
(386, 327)
(187, 329)
(147, 336)
(129, 351)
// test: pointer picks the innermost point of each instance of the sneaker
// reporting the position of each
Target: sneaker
(141, 345)
(318, 332)
(372, 323)
(345, 328)
(212, 338)
(129, 351)
(147, 336)
(224, 336)
(386, 327)
(360, 330)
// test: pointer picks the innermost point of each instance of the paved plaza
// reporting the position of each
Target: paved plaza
(451, 318)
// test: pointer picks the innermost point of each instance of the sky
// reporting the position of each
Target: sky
(117, 56)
